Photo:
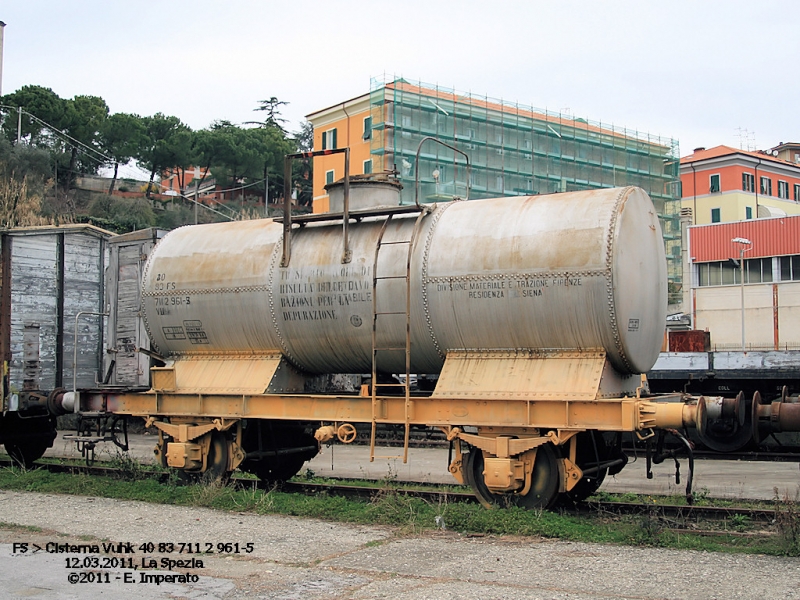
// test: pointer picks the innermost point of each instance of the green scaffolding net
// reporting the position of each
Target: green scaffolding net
(517, 150)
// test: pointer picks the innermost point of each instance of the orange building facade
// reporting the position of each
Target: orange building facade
(343, 125)
(724, 184)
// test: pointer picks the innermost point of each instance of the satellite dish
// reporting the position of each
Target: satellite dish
(774, 153)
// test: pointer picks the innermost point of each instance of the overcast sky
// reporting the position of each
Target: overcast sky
(697, 71)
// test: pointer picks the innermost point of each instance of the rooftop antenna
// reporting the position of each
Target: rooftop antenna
(742, 135)
(747, 139)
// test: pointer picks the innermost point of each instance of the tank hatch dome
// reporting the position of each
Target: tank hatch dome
(366, 192)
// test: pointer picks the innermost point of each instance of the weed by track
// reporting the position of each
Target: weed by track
(391, 506)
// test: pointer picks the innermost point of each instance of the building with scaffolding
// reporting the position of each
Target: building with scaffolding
(512, 150)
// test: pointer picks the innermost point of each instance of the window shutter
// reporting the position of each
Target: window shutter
(333, 142)
(324, 140)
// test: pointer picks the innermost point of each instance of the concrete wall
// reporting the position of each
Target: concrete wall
(772, 315)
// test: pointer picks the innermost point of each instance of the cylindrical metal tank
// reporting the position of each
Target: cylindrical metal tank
(580, 270)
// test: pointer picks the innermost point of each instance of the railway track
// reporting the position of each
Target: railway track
(680, 514)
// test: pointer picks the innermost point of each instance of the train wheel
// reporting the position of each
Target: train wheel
(272, 471)
(280, 468)
(544, 487)
(24, 455)
(26, 439)
(217, 463)
(591, 448)
(283, 449)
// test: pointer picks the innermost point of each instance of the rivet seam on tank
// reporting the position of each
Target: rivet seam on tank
(273, 264)
(142, 311)
(612, 226)
(438, 212)
(233, 290)
(588, 273)
(199, 355)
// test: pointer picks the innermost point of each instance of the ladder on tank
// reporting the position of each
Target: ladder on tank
(378, 319)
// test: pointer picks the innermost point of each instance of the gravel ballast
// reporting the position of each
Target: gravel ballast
(307, 558)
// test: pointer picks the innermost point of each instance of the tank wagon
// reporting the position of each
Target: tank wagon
(536, 325)
(535, 316)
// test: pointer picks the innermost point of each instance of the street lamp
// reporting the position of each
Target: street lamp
(743, 242)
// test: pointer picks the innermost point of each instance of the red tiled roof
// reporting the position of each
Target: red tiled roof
(569, 121)
(718, 151)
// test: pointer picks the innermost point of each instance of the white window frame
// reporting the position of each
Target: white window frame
(364, 166)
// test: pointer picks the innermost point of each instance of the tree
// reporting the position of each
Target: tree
(302, 171)
(211, 145)
(305, 137)
(243, 154)
(84, 119)
(39, 101)
(120, 138)
(24, 178)
(167, 143)
(25, 161)
(273, 118)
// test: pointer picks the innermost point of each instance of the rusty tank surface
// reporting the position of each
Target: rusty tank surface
(582, 270)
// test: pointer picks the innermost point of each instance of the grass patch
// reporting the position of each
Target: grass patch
(410, 515)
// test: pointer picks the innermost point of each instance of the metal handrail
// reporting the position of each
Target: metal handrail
(416, 166)
(287, 201)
